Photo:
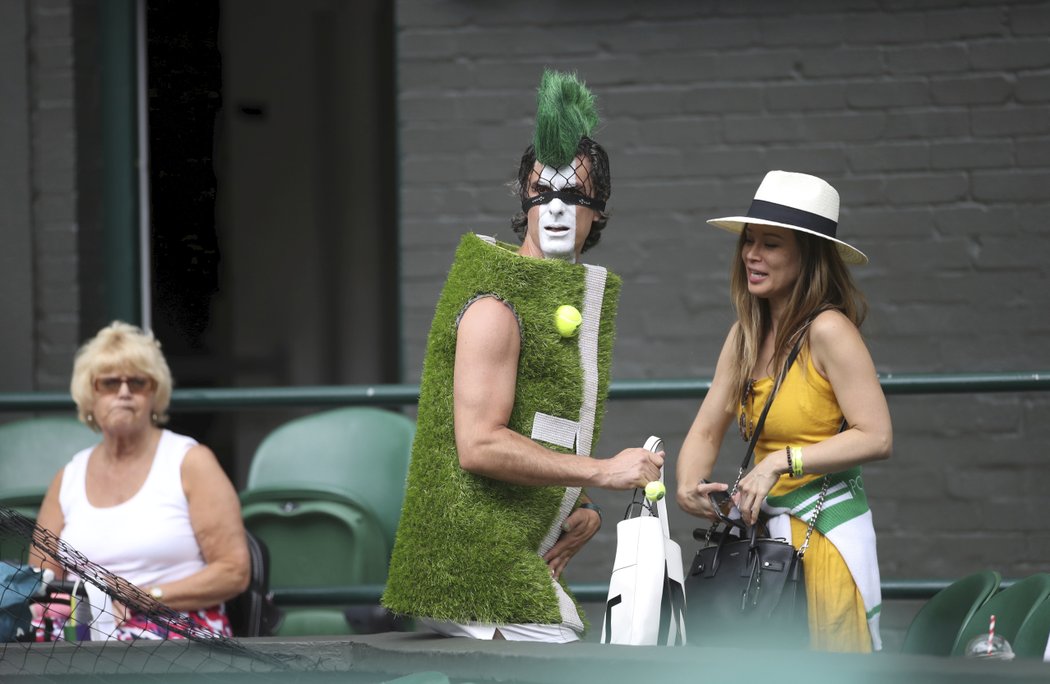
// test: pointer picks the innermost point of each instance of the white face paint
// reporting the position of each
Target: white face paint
(557, 220)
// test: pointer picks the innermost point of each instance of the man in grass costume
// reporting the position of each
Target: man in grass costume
(511, 399)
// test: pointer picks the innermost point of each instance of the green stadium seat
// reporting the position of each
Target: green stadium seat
(313, 622)
(324, 493)
(1011, 608)
(1032, 636)
(31, 453)
(935, 629)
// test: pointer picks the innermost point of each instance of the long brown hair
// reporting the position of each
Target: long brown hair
(824, 282)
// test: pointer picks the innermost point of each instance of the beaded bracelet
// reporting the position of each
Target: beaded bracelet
(593, 507)
(791, 465)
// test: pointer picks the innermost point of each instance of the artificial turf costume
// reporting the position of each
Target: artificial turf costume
(469, 548)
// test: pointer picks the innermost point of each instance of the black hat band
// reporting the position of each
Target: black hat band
(780, 213)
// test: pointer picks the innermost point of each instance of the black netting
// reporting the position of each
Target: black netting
(57, 628)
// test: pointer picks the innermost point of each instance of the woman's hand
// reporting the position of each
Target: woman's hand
(579, 527)
(696, 500)
(754, 486)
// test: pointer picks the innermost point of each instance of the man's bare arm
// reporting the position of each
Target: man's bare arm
(487, 349)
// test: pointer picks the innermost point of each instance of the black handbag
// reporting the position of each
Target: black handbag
(744, 585)
(747, 586)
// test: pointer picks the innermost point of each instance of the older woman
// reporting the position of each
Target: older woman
(150, 505)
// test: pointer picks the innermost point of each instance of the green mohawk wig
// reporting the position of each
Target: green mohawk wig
(565, 113)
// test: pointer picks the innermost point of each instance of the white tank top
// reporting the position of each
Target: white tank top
(148, 539)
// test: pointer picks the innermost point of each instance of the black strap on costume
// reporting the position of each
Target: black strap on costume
(567, 196)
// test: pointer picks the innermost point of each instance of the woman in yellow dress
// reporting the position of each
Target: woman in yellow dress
(791, 286)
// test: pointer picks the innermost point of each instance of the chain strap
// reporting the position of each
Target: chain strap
(813, 520)
(707, 537)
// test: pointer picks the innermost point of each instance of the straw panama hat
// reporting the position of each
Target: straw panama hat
(797, 201)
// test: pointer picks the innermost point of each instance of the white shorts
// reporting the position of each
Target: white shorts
(551, 634)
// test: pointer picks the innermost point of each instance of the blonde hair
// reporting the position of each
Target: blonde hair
(824, 282)
(117, 347)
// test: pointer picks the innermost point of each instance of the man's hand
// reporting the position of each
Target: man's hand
(631, 468)
(579, 527)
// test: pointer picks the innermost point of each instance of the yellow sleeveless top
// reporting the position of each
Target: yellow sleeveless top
(806, 412)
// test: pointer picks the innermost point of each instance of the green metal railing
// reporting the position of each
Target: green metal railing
(400, 394)
(585, 592)
(226, 399)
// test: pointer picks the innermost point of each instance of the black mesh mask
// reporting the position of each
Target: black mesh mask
(570, 190)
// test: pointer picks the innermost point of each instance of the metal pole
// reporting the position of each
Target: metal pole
(142, 111)
(119, 194)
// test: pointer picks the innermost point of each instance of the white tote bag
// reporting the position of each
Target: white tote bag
(646, 603)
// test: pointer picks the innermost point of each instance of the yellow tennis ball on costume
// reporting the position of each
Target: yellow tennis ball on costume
(567, 320)
(655, 490)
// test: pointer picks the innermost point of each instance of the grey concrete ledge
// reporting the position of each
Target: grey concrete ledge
(500, 661)
(422, 658)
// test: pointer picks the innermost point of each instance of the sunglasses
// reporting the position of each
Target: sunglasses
(110, 384)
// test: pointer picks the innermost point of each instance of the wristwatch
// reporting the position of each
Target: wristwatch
(157, 593)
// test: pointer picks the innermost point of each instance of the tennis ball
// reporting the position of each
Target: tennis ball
(655, 490)
(567, 320)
